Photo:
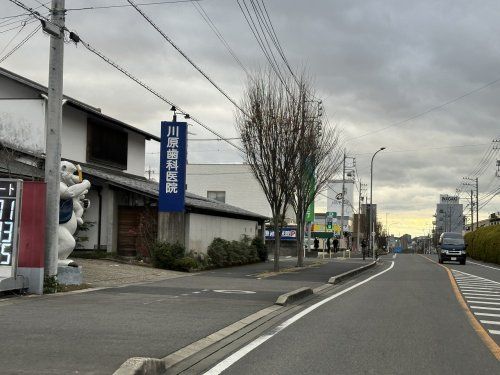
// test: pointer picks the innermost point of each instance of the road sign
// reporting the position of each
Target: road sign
(331, 214)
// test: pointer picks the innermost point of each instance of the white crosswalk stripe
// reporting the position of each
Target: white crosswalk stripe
(483, 297)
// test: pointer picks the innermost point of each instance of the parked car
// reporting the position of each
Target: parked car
(452, 247)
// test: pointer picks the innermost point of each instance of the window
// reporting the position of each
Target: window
(217, 195)
(106, 145)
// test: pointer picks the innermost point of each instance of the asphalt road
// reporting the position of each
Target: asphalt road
(404, 321)
(95, 332)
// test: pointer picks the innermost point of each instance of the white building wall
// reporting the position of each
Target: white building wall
(74, 135)
(241, 187)
(10, 89)
(136, 154)
(204, 228)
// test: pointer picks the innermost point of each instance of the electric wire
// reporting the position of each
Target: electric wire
(257, 37)
(12, 39)
(128, 5)
(77, 39)
(20, 44)
(154, 92)
(219, 35)
(169, 40)
(431, 109)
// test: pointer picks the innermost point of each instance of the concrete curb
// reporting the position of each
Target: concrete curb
(337, 279)
(292, 296)
(141, 366)
(152, 366)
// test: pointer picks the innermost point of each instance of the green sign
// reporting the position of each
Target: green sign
(329, 223)
(331, 214)
(310, 213)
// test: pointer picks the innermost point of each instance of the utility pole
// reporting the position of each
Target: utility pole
(472, 210)
(477, 202)
(342, 209)
(148, 171)
(361, 187)
(53, 137)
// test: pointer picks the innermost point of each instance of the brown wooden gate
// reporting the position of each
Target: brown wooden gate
(136, 226)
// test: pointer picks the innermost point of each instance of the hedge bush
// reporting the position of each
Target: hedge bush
(484, 244)
(223, 253)
(261, 248)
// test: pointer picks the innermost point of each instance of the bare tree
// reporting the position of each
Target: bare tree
(318, 158)
(268, 129)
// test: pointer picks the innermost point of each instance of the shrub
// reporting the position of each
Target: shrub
(185, 264)
(484, 244)
(164, 255)
(261, 248)
(218, 252)
(223, 253)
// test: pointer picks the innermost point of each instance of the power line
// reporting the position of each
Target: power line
(76, 38)
(258, 38)
(20, 44)
(219, 35)
(184, 55)
(128, 5)
(432, 109)
(14, 37)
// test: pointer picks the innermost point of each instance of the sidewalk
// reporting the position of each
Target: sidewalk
(94, 332)
(106, 273)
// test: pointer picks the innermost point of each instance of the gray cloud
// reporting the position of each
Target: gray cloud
(375, 63)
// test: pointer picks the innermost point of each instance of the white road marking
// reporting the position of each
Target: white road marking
(482, 265)
(490, 322)
(480, 294)
(472, 295)
(234, 291)
(479, 289)
(485, 298)
(487, 314)
(484, 302)
(235, 357)
(477, 277)
(484, 284)
(494, 332)
(485, 308)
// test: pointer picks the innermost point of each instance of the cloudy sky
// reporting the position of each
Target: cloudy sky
(416, 77)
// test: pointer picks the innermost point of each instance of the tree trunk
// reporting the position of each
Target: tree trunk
(300, 240)
(277, 242)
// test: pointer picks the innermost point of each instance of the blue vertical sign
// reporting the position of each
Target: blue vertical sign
(173, 152)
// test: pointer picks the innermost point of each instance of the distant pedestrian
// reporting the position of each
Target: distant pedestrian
(316, 243)
(328, 245)
(363, 248)
(335, 245)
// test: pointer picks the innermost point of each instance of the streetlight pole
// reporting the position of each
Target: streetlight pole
(372, 234)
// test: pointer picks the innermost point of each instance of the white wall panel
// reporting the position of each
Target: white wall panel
(204, 228)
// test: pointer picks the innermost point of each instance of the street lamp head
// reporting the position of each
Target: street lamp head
(382, 148)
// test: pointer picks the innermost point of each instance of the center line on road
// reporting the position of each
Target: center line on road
(235, 357)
